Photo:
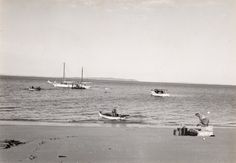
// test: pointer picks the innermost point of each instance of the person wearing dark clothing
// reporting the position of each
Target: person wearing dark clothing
(114, 113)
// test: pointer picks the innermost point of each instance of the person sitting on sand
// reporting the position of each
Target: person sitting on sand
(114, 113)
(204, 121)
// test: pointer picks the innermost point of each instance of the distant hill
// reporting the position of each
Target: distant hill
(87, 78)
(110, 78)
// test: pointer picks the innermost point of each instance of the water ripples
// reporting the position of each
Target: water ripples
(133, 98)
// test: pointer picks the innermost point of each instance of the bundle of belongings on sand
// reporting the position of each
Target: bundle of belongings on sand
(199, 131)
(202, 129)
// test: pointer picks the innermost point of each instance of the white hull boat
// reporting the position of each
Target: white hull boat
(34, 89)
(109, 116)
(62, 84)
(70, 84)
(160, 93)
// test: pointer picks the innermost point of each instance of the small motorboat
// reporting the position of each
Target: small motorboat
(159, 93)
(109, 116)
(35, 88)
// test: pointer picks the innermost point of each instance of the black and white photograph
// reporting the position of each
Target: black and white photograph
(117, 81)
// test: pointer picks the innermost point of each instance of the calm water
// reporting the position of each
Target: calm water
(69, 106)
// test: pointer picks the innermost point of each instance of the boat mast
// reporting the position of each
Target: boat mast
(81, 80)
(64, 71)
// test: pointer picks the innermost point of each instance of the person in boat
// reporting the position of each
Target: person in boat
(156, 90)
(114, 113)
(204, 121)
(38, 88)
(159, 91)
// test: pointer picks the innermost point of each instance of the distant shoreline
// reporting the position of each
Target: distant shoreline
(70, 78)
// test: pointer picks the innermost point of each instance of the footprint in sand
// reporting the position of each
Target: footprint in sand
(61, 156)
(32, 157)
(54, 138)
(42, 142)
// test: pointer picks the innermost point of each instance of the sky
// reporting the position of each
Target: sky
(186, 41)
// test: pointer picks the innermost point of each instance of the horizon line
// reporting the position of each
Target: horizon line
(120, 79)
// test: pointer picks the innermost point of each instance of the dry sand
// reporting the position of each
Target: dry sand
(114, 144)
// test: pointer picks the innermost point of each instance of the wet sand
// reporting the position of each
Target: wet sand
(114, 144)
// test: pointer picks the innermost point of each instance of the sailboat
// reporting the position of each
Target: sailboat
(81, 84)
(70, 84)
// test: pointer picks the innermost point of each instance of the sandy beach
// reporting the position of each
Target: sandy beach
(114, 144)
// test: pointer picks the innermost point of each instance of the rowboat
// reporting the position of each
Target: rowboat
(34, 88)
(109, 116)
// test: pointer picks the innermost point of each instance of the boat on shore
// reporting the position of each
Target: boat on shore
(110, 117)
(159, 93)
(70, 84)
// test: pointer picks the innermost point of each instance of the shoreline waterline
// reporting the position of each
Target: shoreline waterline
(96, 125)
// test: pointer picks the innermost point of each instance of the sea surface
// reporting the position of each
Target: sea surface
(65, 106)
